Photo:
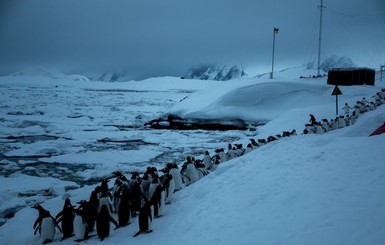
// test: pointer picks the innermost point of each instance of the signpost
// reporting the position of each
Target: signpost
(336, 92)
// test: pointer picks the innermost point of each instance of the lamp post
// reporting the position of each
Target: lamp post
(275, 31)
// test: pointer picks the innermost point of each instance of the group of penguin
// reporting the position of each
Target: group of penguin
(142, 196)
(342, 121)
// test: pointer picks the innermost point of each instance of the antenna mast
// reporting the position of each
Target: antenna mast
(321, 7)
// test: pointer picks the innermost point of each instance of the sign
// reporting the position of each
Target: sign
(336, 91)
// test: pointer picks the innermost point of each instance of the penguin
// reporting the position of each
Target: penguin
(201, 169)
(66, 218)
(145, 184)
(81, 228)
(261, 142)
(45, 224)
(293, 132)
(133, 180)
(92, 208)
(216, 163)
(124, 208)
(115, 196)
(271, 139)
(157, 196)
(239, 150)
(325, 125)
(207, 160)
(103, 222)
(223, 155)
(136, 196)
(169, 187)
(191, 173)
(176, 176)
(145, 218)
(254, 144)
(341, 122)
(248, 149)
(230, 152)
(104, 200)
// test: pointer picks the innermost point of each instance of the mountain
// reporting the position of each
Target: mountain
(215, 72)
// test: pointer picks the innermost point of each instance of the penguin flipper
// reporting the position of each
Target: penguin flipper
(58, 215)
(137, 234)
(37, 229)
(114, 222)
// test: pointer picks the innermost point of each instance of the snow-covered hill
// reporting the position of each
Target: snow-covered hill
(216, 72)
(306, 189)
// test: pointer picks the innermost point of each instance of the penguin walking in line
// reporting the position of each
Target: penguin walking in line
(207, 160)
(191, 173)
(136, 196)
(45, 224)
(145, 218)
(157, 196)
(81, 228)
(124, 208)
(169, 186)
(103, 222)
(176, 176)
(66, 218)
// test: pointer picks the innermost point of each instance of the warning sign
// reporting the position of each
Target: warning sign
(336, 91)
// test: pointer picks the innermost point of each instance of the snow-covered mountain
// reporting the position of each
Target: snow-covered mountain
(215, 72)
(110, 76)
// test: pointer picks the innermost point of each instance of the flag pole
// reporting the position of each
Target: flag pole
(275, 31)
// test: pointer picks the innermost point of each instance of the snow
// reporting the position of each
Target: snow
(306, 189)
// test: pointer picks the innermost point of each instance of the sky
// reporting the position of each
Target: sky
(155, 38)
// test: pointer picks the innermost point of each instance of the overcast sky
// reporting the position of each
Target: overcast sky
(166, 37)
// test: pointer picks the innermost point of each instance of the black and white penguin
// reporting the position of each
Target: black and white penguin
(248, 149)
(157, 196)
(223, 156)
(45, 224)
(92, 209)
(66, 218)
(145, 183)
(239, 150)
(145, 217)
(189, 170)
(136, 196)
(80, 222)
(254, 144)
(124, 208)
(176, 176)
(169, 186)
(115, 197)
(103, 222)
(201, 169)
(217, 161)
(261, 142)
(230, 152)
(134, 178)
(104, 201)
(207, 160)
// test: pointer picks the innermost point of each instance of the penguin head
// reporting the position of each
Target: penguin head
(67, 203)
(155, 179)
(39, 208)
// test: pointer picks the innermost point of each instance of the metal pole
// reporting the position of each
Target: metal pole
(337, 105)
(319, 38)
(272, 63)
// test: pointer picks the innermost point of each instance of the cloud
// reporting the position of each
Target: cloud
(166, 37)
